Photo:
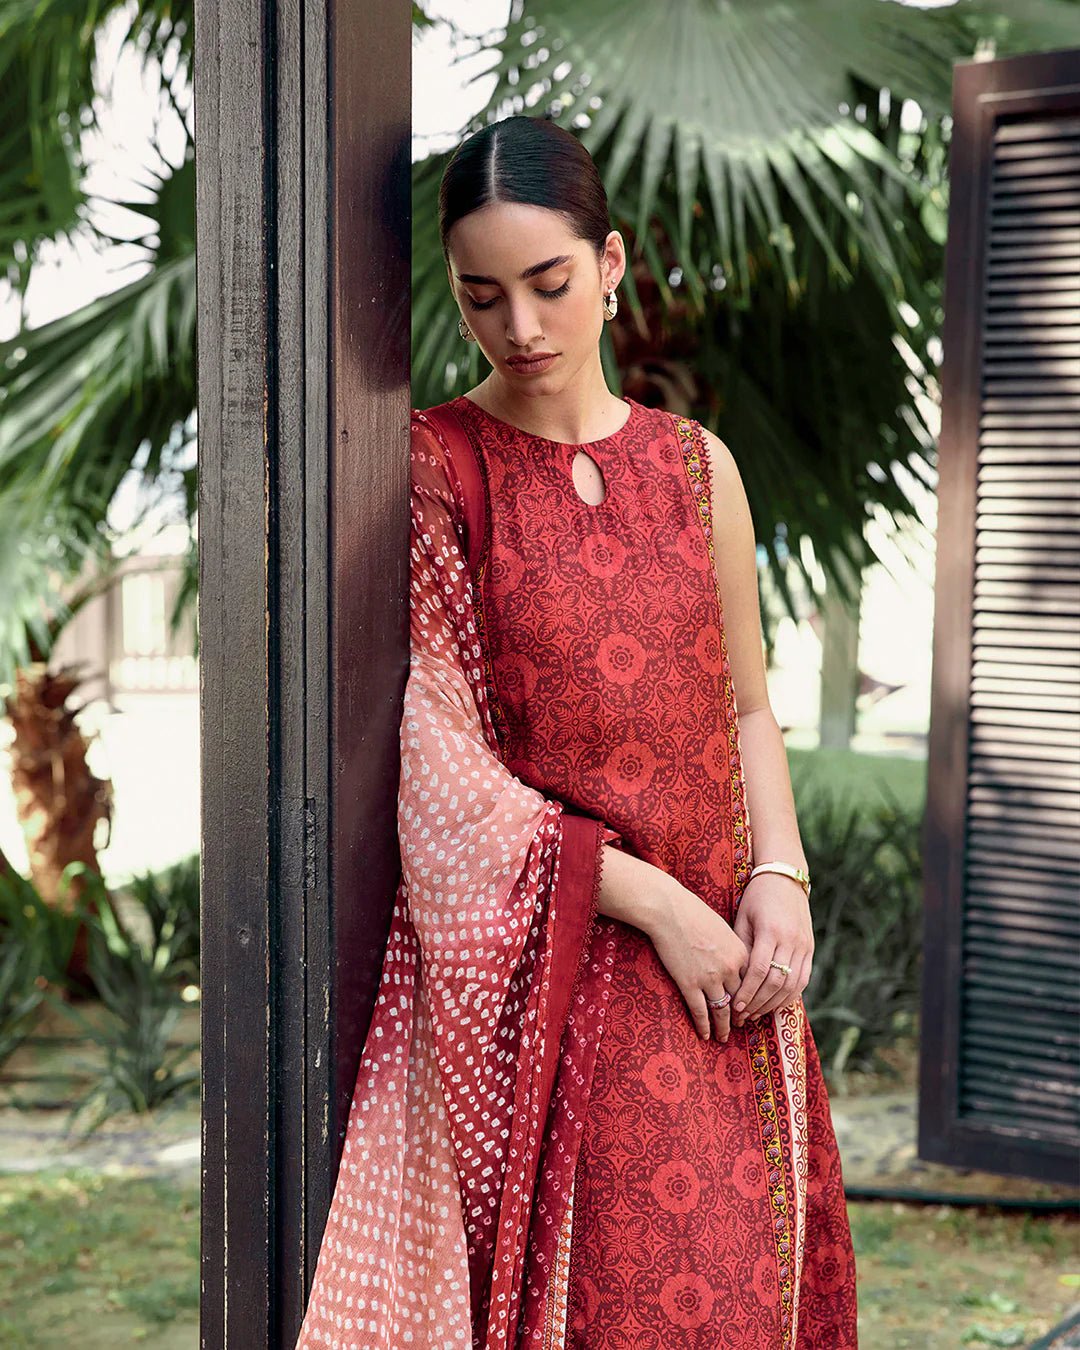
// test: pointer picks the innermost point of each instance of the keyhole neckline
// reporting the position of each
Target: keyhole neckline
(575, 446)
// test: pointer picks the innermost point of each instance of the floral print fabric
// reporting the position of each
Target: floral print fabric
(708, 1207)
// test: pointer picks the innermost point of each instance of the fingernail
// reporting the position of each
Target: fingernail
(739, 1007)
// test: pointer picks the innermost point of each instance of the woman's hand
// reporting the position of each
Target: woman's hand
(703, 955)
(773, 919)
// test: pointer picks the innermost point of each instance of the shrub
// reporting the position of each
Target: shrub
(36, 941)
(136, 982)
(865, 862)
(169, 900)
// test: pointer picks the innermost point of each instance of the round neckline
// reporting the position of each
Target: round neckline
(545, 440)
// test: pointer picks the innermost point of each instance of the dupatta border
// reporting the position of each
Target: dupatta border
(767, 1070)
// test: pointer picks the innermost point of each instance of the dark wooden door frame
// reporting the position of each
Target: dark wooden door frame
(303, 152)
(984, 92)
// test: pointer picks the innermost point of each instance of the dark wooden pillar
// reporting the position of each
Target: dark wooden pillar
(303, 132)
(1000, 1048)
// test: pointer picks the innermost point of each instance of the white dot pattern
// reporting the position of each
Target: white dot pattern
(424, 1245)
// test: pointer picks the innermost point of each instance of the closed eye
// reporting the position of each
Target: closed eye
(548, 295)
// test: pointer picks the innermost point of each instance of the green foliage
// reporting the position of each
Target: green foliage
(110, 388)
(143, 1071)
(35, 943)
(98, 1260)
(169, 900)
(865, 862)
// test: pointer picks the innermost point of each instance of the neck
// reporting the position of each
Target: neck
(584, 409)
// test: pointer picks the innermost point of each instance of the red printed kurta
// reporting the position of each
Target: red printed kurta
(707, 1206)
(541, 1153)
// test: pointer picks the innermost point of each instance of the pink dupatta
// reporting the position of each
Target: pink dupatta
(428, 1232)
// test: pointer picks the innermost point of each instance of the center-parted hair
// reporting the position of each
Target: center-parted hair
(532, 161)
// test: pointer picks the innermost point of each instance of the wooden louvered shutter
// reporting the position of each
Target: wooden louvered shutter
(1000, 1036)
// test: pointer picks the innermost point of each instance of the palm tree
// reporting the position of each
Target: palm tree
(786, 228)
(779, 173)
(83, 400)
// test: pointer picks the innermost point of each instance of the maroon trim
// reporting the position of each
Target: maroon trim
(575, 899)
(463, 458)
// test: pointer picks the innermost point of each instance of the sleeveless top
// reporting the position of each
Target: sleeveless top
(605, 637)
(707, 1205)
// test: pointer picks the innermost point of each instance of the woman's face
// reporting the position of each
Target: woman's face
(558, 309)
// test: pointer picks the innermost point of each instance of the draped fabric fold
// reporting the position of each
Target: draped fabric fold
(426, 1241)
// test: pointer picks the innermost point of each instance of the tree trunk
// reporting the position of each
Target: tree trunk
(58, 800)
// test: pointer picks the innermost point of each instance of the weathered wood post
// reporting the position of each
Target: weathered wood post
(303, 133)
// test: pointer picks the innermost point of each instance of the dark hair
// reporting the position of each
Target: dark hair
(531, 160)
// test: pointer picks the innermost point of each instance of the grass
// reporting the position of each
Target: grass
(98, 1261)
(861, 777)
(103, 1261)
(934, 1277)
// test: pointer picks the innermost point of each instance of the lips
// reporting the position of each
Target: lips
(535, 362)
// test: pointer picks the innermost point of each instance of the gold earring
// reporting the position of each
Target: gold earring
(611, 304)
(464, 329)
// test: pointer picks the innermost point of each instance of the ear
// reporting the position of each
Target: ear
(614, 259)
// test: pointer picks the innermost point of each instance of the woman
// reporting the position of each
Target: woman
(590, 1111)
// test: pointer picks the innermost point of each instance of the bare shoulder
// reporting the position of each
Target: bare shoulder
(721, 460)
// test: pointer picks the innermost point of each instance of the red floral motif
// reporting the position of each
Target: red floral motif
(665, 1077)
(517, 677)
(715, 756)
(732, 1075)
(629, 768)
(663, 452)
(720, 858)
(621, 657)
(707, 649)
(559, 612)
(748, 1173)
(687, 1300)
(830, 1267)
(602, 555)
(676, 1187)
(692, 549)
(765, 1279)
(506, 567)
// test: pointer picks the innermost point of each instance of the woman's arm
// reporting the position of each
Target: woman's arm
(773, 915)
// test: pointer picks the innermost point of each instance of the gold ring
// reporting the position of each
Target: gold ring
(778, 966)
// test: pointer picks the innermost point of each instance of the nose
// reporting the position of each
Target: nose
(523, 326)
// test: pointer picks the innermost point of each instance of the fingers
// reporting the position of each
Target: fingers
(699, 1011)
(721, 1016)
(706, 1018)
(774, 988)
(790, 990)
(760, 980)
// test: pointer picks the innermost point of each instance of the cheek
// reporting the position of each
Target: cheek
(578, 319)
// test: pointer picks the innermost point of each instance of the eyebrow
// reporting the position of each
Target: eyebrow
(533, 271)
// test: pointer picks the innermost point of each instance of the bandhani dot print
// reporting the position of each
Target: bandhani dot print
(542, 1154)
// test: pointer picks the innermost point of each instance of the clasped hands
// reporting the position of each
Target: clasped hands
(707, 957)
